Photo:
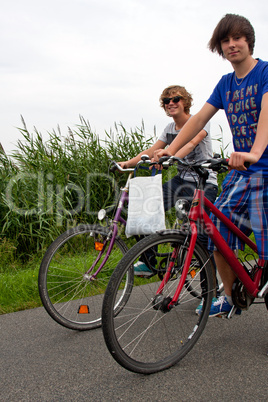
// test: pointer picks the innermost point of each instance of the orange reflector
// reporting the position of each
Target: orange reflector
(83, 309)
(98, 246)
(192, 273)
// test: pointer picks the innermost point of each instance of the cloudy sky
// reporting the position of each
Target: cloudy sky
(109, 60)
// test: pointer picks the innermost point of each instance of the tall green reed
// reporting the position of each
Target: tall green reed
(223, 152)
(47, 186)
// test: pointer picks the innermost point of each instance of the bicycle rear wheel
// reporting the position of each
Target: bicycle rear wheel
(66, 287)
(144, 337)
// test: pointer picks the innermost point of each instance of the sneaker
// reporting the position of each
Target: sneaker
(220, 306)
(199, 308)
(141, 269)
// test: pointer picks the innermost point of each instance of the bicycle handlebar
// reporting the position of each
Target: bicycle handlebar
(114, 166)
(216, 163)
(144, 160)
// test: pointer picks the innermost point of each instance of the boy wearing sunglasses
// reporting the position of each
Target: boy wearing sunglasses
(243, 94)
(177, 101)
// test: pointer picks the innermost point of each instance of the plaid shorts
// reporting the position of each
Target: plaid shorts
(244, 200)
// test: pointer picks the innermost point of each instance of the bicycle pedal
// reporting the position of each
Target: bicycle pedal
(234, 310)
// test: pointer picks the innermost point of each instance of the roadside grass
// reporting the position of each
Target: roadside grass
(19, 285)
(19, 290)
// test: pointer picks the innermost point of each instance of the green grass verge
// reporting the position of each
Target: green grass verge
(19, 285)
(19, 290)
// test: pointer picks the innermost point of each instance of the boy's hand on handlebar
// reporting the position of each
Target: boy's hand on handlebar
(124, 165)
(159, 153)
(241, 160)
(155, 164)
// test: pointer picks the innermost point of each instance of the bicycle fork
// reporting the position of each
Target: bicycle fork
(110, 239)
(167, 303)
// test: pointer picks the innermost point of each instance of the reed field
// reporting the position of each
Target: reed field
(47, 187)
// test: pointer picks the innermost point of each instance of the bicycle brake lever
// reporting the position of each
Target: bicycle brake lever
(163, 159)
(218, 165)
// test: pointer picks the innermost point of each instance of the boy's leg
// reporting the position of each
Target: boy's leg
(232, 202)
(226, 273)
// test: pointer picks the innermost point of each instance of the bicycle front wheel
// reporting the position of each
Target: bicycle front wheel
(68, 289)
(146, 337)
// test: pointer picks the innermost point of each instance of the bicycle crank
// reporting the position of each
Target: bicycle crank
(240, 297)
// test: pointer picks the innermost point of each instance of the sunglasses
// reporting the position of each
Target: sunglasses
(176, 99)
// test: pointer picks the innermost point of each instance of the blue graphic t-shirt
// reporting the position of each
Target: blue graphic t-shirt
(241, 101)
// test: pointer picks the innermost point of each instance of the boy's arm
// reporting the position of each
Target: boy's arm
(190, 146)
(189, 131)
(150, 152)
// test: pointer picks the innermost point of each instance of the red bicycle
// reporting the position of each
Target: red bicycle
(157, 325)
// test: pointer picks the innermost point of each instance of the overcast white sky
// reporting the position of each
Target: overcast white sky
(109, 60)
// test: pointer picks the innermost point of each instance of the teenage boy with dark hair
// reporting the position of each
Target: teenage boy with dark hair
(243, 95)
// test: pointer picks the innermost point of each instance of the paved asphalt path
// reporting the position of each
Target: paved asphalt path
(42, 361)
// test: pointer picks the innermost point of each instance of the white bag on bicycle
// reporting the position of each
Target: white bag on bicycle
(146, 212)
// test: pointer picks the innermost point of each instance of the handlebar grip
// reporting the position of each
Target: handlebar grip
(246, 164)
(113, 168)
(225, 162)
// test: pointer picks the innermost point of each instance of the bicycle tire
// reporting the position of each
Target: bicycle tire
(142, 338)
(66, 289)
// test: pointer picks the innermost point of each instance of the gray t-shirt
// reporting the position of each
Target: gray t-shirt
(201, 152)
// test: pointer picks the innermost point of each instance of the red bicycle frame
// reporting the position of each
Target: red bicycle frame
(197, 213)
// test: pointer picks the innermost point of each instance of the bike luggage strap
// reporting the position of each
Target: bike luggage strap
(154, 170)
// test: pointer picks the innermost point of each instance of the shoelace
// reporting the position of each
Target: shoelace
(220, 301)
